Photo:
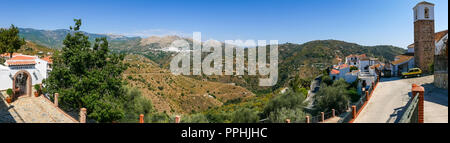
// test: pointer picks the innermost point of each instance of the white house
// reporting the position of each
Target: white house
(366, 62)
(402, 63)
(343, 71)
(353, 60)
(23, 71)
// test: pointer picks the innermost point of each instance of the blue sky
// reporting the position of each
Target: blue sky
(366, 22)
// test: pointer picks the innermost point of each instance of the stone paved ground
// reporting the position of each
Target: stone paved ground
(392, 94)
(333, 120)
(31, 110)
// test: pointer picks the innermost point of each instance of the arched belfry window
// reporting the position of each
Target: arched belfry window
(415, 13)
(427, 12)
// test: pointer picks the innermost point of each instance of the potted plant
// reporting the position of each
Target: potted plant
(38, 90)
(10, 93)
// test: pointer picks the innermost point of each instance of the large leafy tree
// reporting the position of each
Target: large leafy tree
(88, 76)
(10, 41)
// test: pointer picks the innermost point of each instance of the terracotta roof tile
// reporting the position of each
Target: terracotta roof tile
(343, 66)
(439, 35)
(334, 71)
(48, 59)
(21, 60)
(401, 59)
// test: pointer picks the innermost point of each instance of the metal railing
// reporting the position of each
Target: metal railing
(411, 113)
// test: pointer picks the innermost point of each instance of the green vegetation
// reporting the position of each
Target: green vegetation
(327, 80)
(2, 61)
(289, 101)
(9, 91)
(37, 87)
(353, 68)
(300, 85)
(335, 96)
(194, 118)
(10, 41)
(134, 104)
(88, 76)
(245, 115)
(296, 115)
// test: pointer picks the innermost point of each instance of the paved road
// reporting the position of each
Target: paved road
(312, 92)
(392, 94)
(32, 110)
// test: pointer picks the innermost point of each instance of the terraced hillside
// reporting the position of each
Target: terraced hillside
(31, 48)
(178, 94)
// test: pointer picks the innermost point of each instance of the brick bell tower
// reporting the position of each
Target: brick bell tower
(424, 44)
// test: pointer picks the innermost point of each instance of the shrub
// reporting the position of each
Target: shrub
(332, 97)
(354, 96)
(289, 100)
(327, 80)
(352, 68)
(245, 115)
(37, 87)
(134, 104)
(9, 91)
(158, 118)
(295, 115)
(195, 118)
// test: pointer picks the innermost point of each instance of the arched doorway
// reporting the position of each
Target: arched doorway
(22, 84)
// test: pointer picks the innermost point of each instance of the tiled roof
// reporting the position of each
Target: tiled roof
(48, 59)
(333, 71)
(375, 66)
(362, 56)
(439, 35)
(343, 66)
(358, 56)
(21, 60)
(401, 59)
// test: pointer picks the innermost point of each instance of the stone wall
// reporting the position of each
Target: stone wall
(424, 44)
(441, 79)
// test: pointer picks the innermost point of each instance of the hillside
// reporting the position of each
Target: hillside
(170, 93)
(306, 59)
(31, 48)
(309, 58)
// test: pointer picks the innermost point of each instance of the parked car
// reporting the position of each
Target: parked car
(412, 72)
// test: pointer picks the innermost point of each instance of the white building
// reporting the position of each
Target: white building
(23, 71)
(366, 62)
(353, 60)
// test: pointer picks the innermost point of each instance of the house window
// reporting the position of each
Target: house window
(427, 12)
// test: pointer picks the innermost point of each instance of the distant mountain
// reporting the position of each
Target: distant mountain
(54, 38)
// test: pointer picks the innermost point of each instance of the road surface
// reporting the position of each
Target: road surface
(392, 94)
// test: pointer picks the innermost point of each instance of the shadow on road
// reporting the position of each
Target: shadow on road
(5, 115)
(396, 115)
(387, 79)
(436, 95)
